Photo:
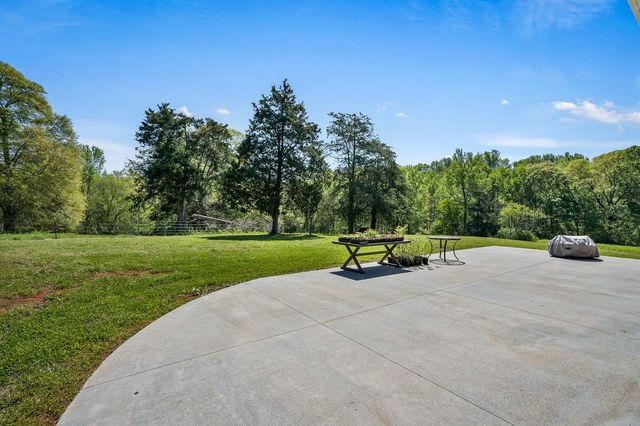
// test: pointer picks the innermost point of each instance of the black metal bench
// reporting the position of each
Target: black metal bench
(354, 253)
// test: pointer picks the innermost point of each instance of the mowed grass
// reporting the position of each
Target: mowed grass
(66, 303)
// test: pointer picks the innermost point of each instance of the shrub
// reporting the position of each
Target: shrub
(519, 216)
(401, 230)
(516, 234)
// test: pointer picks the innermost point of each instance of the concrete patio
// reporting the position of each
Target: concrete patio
(514, 336)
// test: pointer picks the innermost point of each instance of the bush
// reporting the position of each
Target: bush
(516, 234)
(520, 217)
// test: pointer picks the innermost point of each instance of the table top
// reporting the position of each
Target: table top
(381, 243)
(444, 237)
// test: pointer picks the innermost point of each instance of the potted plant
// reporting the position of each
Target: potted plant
(412, 254)
(370, 236)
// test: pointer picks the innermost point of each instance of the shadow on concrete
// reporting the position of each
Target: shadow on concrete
(262, 237)
(581, 259)
(376, 271)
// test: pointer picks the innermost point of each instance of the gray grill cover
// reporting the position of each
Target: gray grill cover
(573, 246)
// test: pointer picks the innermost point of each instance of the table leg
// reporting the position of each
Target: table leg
(454, 249)
(390, 254)
(352, 256)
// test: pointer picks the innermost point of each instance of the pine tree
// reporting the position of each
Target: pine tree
(273, 154)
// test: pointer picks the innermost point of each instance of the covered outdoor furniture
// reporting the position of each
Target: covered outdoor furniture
(573, 246)
(443, 240)
(353, 248)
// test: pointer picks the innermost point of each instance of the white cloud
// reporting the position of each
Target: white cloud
(401, 114)
(385, 106)
(464, 15)
(184, 110)
(528, 17)
(515, 141)
(542, 15)
(223, 111)
(544, 74)
(607, 112)
(505, 102)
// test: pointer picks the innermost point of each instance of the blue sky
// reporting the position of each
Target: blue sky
(522, 76)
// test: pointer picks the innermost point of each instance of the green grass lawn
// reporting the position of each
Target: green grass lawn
(66, 303)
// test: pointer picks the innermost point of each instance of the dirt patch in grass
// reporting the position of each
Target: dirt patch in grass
(8, 304)
(125, 274)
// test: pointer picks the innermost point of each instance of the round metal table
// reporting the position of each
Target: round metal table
(443, 240)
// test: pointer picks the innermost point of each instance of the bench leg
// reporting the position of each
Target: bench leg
(352, 256)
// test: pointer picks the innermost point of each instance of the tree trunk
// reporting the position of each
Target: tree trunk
(374, 217)
(351, 219)
(275, 216)
(464, 211)
(9, 213)
(181, 211)
(309, 221)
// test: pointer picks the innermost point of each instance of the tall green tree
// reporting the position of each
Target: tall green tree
(179, 159)
(351, 140)
(309, 186)
(463, 175)
(39, 159)
(110, 206)
(422, 184)
(92, 167)
(547, 189)
(383, 183)
(273, 154)
(615, 186)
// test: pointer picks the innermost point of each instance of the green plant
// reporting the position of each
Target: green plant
(516, 234)
(518, 216)
(401, 230)
(370, 233)
(418, 248)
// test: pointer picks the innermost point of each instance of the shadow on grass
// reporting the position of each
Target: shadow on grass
(375, 271)
(262, 237)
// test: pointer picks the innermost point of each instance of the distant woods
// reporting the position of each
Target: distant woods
(285, 171)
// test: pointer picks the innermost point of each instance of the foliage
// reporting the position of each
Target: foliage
(281, 145)
(401, 230)
(516, 234)
(186, 165)
(308, 188)
(111, 209)
(179, 159)
(92, 167)
(449, 219)
(615, 187)
(544, 195)
(40, 186)
(463, 178)
(518, 216)
(383, 185)
(351, 139)
(413, 253)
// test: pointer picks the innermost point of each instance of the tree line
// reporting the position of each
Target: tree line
(281, 168)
